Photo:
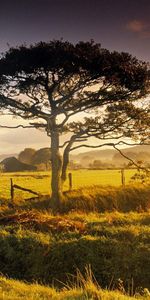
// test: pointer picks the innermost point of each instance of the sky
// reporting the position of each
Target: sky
(122, 25)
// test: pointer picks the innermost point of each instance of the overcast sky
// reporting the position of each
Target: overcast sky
(122, 25)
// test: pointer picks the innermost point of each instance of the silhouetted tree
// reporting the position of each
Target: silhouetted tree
(41, 156)
(35, 157)
(26, 156)
(53, 83)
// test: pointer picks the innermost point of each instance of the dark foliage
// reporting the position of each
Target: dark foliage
(51, 83)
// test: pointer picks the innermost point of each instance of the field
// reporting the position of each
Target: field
(40, 181)
(97, 248)
(39, 247)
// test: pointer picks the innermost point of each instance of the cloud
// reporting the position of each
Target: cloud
(136, 26)
(139, 27)
(15, 140)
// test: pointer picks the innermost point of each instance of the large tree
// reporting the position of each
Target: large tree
(54, 83)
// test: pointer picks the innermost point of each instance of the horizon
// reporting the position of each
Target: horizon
(78, 152)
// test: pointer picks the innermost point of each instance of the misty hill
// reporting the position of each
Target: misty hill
(94, 154)
(108, 155)
(94, 158)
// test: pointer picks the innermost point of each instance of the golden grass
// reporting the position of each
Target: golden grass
(17, 290)
(33, 237)
(40, 181)
(48, 247)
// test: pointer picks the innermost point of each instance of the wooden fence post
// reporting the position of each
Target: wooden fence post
(122, 177)
(11, 190)
(70, 181)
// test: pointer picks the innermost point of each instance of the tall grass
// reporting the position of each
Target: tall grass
(85, 289)
(107, 228)
(94, 198)
(100, 199)
(45, 248)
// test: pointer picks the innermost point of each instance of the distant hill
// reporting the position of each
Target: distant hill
(106, 154)
(12, 164)
(3, 156)
(137, 149)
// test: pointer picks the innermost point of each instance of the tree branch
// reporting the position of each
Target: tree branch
(114, 146)
(77, 140)
(23, 126)
(108, 144)
(128, 158)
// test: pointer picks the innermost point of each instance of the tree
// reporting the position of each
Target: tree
(26, 156)
(31, 156)
(53, 83)
(42, 156)
(98, 164)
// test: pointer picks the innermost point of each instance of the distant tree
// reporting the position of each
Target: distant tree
(98, 164)
(74, 165)
(85, 160)
(26, 156)
(42, 156)
(54, 83)
(35, 157)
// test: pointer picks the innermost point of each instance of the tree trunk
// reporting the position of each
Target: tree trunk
(66, 160)
(65, 165)
(56, 184)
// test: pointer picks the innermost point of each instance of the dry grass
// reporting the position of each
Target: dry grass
(86, 289)
(42, 221)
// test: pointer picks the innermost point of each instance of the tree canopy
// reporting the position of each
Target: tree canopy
(53, 83)
(35, 157)
(26, 155)
(42, 156)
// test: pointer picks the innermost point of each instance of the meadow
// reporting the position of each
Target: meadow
(40, 181)
(97, 248)
(37, 246)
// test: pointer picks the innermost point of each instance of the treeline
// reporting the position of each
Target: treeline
(40, 158)
(31, 159)
(118, 161)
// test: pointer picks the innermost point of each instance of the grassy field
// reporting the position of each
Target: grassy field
(15, 290)
(40, 181)
(103, 229)
(39, 247)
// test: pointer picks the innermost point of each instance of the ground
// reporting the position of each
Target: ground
(98, 247)
(40, 181)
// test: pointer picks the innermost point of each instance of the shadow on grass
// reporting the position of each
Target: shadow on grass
(29, 257)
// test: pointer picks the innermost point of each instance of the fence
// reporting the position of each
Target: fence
(122, 179)
(19, 185)
(82, 178)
